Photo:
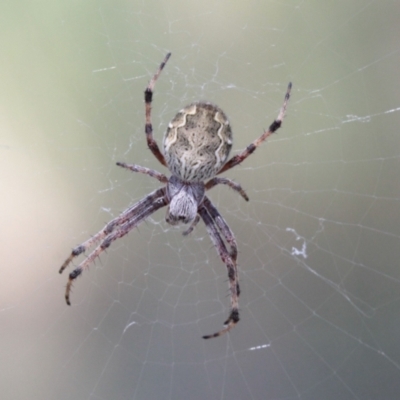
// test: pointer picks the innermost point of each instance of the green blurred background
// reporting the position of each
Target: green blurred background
(319, 241)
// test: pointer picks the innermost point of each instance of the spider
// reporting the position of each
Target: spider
(196, 149)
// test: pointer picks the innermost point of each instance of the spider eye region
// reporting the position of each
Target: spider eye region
(185, 198)
(197, 142)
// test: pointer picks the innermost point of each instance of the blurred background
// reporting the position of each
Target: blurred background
(319, 241)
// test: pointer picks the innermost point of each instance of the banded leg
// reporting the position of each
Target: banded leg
(235, 160)
(225, 181)
(223, 227)
(121, 229)
(123, 217)
(148, 96)
(209, 185)
(143, 170)
(226, 258)
(192, 226)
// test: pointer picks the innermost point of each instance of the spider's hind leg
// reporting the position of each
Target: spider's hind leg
(148, 98)
(276, 124)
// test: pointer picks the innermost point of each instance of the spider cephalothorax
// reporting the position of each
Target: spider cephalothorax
(184, 199)
(196, 149)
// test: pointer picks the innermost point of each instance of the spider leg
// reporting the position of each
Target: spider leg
(225, 181)
(223, 227)
(123, 217)
(192, 226)
(148, 96)
(122, 227)
(209, 185)
(230, 262)
(143, 170)
(235, 160)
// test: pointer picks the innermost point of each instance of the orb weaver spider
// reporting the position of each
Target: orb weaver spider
(196, 145)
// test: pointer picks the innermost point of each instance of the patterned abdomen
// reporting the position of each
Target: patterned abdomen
(197, 142)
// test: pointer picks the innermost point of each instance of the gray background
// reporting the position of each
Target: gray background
(318, 243)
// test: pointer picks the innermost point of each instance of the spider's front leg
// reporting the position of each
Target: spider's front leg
(115, 229)
(228, 259)
(102, 234)
(223, 227)
(89, 243)
(120, 219)
(209, 185)
(192, 226)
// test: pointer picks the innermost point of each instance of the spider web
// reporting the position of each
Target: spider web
(318, 242)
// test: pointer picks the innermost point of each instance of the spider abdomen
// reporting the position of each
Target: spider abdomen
(197, 142)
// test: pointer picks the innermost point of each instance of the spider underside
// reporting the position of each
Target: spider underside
(196, 149)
